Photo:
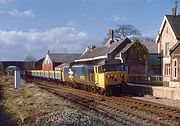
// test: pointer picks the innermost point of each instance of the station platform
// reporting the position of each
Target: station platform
(156, 91)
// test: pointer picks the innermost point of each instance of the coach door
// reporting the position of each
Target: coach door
(96, 75)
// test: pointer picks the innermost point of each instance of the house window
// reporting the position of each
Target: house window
(174, 68)
(167, 49)
(167, 69)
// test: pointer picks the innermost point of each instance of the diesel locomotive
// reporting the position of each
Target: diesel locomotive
(103, 79)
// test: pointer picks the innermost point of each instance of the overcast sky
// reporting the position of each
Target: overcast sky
(32, 27)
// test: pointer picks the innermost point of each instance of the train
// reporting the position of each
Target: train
(104, 79)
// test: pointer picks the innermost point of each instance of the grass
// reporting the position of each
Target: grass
(29, 102)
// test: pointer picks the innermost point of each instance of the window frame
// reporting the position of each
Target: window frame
(167, 71)
(174, 69)
(167, 48)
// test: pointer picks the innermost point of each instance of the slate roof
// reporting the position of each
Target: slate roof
(98, 51)
(102, 51)
(63, 57)
(126, 48)
(151, 46)
(175, 24)
(175, 46)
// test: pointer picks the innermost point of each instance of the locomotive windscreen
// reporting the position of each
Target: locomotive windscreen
(111, 67)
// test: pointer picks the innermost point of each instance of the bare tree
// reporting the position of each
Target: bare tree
(30, 58)
(30, 62)
(123, 31)
(148, 39)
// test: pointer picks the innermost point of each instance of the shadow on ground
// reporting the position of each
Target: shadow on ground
(5, 118)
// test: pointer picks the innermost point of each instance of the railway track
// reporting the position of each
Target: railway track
(124, 110)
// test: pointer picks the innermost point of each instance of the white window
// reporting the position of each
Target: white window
(167, 49)
(174, 68)
(167, 69)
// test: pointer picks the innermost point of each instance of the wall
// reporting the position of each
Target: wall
(166, 37)
(176, 55)
(47, 63)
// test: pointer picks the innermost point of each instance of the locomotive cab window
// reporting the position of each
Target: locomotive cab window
(111, 67)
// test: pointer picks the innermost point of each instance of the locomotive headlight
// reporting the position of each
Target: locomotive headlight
(115, 76)
(108, 76)
(121, 75)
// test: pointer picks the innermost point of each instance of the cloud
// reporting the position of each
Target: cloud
(5, 1)
(17, 13)
(16, 45)
(117, 18)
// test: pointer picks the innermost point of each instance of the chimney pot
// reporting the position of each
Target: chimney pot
(174, 11)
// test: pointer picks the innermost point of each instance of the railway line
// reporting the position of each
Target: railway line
(123, 110)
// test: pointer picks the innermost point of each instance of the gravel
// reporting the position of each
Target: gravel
(66, 119)
(168, 102)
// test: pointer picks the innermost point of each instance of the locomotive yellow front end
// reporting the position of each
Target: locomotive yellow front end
(110, 77)
(115, 78)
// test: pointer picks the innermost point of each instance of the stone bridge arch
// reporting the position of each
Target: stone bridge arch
(10, 70)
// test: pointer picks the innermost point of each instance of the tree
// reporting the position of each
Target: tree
(1, 68)
(123, 31)
(30, 58)
(147, 39)
(30, 62)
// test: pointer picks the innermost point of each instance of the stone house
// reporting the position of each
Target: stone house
(168, 36)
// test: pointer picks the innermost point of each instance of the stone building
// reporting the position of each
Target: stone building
(168, 36)
(52, 60)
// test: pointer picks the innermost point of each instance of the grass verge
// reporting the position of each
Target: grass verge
(29, 102)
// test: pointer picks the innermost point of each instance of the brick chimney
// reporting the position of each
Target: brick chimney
(111, 34)
(111, 39)
(174, 11)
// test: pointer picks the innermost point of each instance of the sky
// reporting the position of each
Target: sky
(32, 27)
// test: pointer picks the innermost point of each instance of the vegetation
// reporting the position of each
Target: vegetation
(139, 51)
(30, 59)
(1, 67)
(30, 102)
(123, 31)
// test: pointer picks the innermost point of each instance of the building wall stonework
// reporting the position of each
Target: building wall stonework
(48, 67)
(175, 82)
(167, 36)
(47, 63)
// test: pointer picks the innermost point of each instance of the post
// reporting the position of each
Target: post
(17, 79)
